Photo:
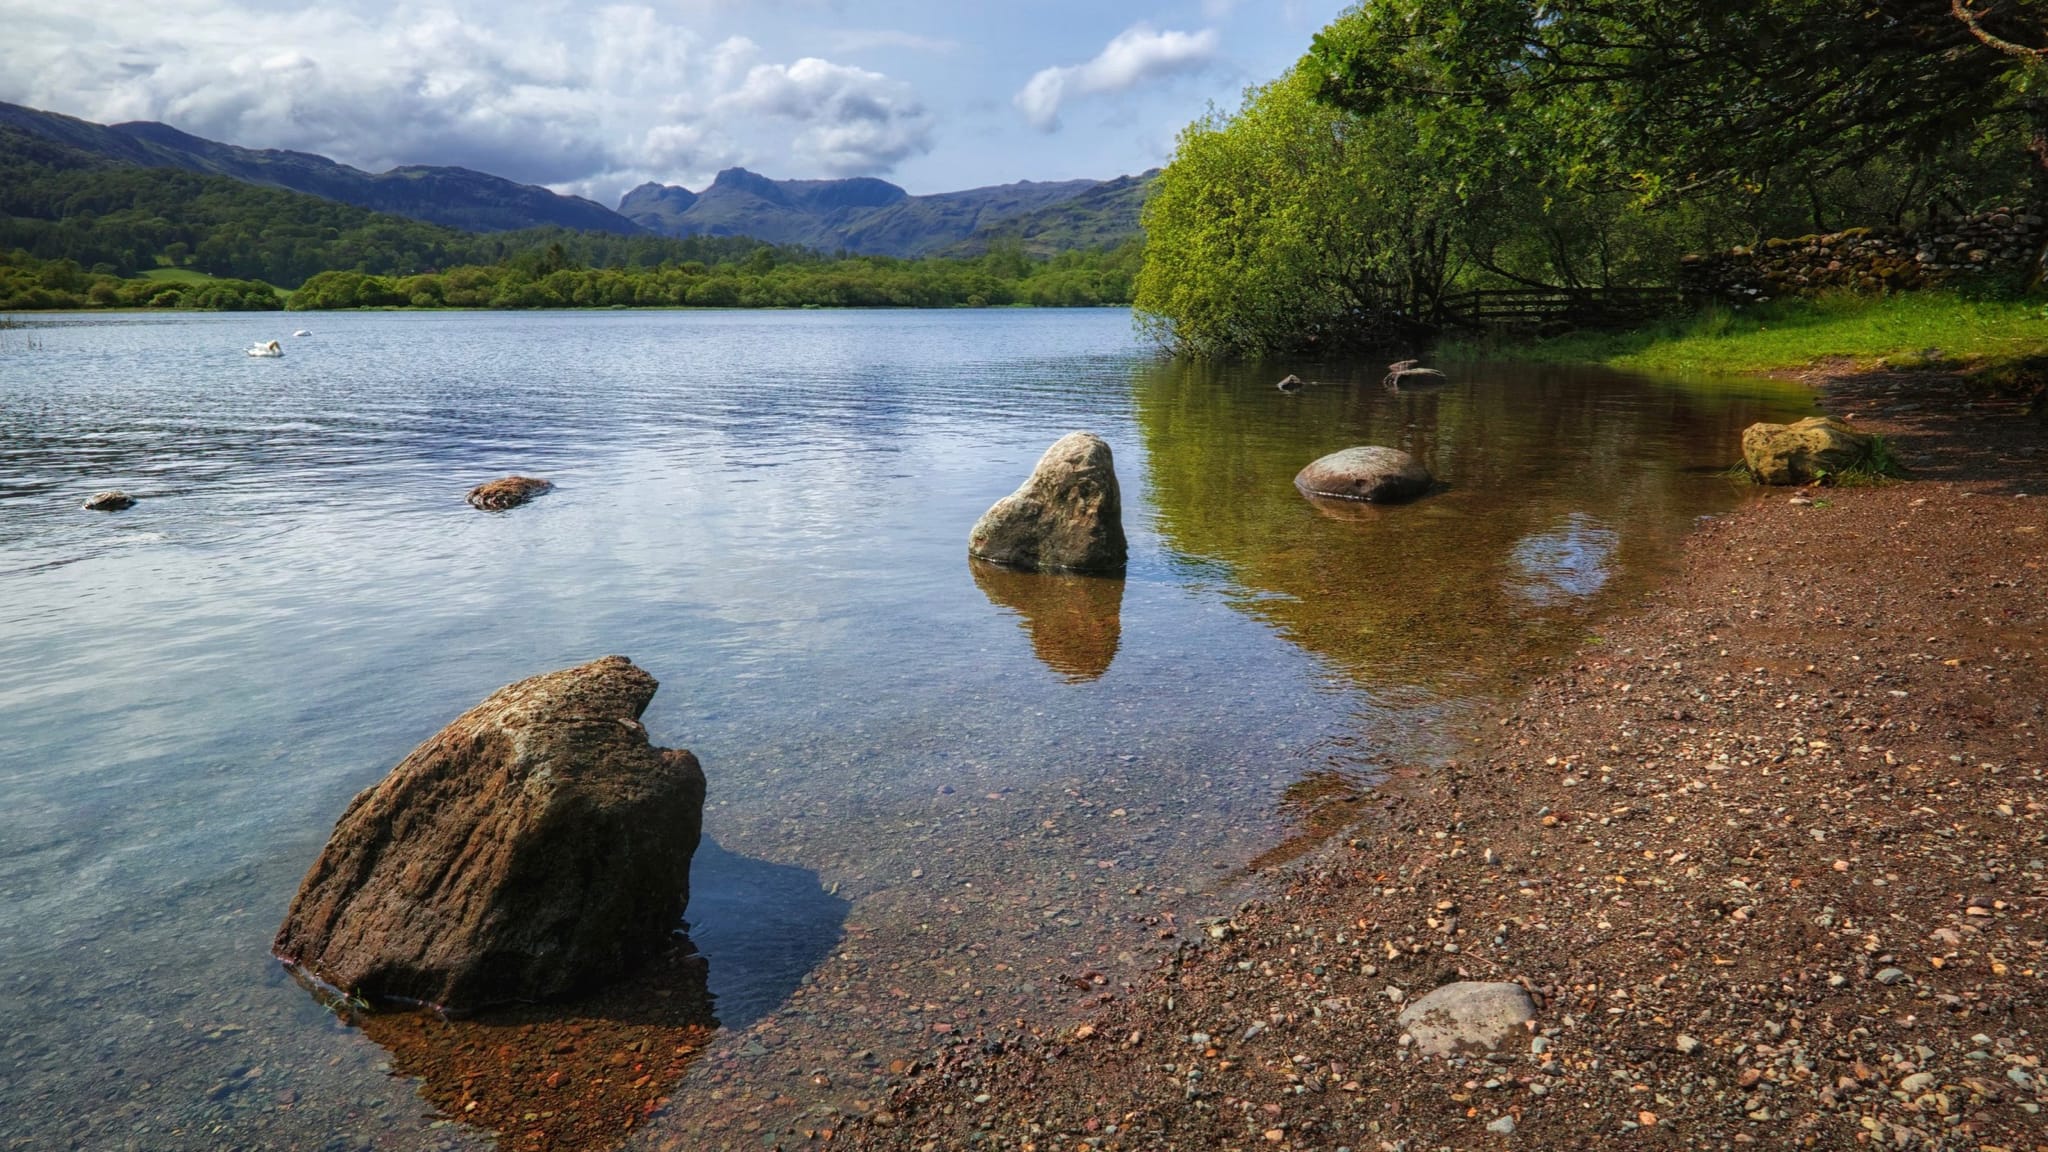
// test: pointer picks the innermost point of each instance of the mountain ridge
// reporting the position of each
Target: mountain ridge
(454, 197)
(859, 215)
(866, 216)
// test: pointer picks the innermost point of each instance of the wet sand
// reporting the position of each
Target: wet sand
(1771, 855)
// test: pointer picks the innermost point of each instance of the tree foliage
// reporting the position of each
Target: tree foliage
(1431, 144)
(1004, 277)
(1290, 226)
(1678, 99)
(30, 284)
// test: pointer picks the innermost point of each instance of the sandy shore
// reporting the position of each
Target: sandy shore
(1772, 858)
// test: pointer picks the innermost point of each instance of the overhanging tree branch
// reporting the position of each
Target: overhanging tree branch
(1975, 22)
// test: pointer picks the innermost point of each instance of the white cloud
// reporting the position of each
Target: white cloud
(852, 40)
(588, 100)
(857, 122)
(1138, 55)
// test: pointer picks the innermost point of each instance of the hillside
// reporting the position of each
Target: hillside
(58, 202)
(874, 217)
(1105, 214)
(453, 197)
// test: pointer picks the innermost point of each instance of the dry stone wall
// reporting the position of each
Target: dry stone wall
(2001, 242)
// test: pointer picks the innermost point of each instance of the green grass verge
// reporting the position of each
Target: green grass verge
(1916, 330)
(189, 276)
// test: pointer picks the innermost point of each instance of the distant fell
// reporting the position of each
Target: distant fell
(875, 217)
(1104, 215)
(454, 197)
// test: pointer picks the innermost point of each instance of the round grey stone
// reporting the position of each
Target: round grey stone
(1467, 1016)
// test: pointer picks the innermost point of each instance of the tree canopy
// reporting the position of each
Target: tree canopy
(1672, 99)
(1428, 145)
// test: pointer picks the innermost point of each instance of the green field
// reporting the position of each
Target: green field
(188, 276)
(1918, 330)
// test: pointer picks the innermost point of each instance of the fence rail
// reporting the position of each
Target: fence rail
(1569, 305)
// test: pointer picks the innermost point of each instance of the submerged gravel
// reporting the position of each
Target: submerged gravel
(1771, 857)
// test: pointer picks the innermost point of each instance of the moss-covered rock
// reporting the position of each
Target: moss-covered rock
(1800, 453)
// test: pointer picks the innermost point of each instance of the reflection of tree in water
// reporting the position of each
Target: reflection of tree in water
(1433, 595)
(1075, 622)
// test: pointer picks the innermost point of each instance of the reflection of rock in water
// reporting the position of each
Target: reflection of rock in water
(567, 1076)
(764, 927)
(582, 1075)
(1075, 622)
(1570, 562)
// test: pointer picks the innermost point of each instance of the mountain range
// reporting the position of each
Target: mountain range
(874, 217)
(861, 215)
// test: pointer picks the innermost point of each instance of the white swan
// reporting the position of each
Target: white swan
(301, 332)
(272, 349)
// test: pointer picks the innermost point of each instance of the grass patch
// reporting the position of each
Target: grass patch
(1923, 330)
(189, 276)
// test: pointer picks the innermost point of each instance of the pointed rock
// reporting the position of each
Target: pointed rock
(1067, 517)
(537, 846)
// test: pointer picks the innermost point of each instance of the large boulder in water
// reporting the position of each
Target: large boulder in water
(1380, 475)
(1068, 517)
(1799, 453)
(535, 847)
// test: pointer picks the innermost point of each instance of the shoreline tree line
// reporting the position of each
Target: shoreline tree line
(1424, 147)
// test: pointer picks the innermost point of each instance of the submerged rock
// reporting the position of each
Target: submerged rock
(511, 492)
(1469, 1016)
(109, 502)
(1067, 517)
(536, 846)
(1799, 453)
(1380, 475)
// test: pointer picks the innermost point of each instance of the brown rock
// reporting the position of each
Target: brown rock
(1067, 517)
(1799, 453)
(535, 847)
(1379, 475)
(109, 502)
(511, 492)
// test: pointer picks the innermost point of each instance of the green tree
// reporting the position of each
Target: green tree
(1677, 99)
(1294, 226)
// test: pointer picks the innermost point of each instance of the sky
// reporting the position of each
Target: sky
(594, 99)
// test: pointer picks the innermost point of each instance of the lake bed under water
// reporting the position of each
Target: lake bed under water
(941, 794)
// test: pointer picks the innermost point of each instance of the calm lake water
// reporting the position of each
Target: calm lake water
(940, 793)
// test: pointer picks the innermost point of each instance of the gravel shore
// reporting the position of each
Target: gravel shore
(1771, 857)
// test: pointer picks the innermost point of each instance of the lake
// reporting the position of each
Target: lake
(940, 793)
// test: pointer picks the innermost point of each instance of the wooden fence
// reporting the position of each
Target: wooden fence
(1590, 307)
